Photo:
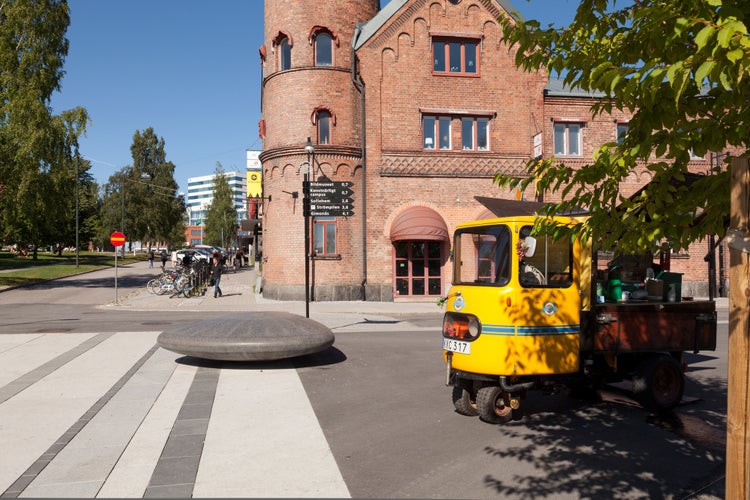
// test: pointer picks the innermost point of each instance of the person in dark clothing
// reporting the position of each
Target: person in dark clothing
(164, 258)
(151, 258)
(216, 275)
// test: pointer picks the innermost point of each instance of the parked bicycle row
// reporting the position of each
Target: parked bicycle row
(184, 281)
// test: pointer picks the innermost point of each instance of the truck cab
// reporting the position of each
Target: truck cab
(522, 314)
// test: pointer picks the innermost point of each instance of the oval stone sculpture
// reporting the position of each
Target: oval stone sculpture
(253, 336)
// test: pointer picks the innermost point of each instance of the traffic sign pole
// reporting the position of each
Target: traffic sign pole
(117, 239)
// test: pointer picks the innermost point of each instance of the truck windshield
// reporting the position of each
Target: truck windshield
(482, 255)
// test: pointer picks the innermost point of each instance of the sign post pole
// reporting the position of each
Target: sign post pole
(117, 239)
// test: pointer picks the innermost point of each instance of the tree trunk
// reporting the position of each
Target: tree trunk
(738, 376)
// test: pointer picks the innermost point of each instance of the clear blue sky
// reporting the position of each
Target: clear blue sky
(190, 69)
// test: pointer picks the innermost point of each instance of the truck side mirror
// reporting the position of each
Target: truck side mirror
(530, 246)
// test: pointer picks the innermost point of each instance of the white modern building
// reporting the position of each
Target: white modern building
(200, 194)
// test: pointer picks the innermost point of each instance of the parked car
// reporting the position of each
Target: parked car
(194, 253)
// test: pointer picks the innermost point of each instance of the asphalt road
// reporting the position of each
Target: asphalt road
(380, 399)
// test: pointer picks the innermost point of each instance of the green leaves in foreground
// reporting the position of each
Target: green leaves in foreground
(682, 69)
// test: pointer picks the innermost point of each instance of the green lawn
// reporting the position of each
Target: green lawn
(16, 271)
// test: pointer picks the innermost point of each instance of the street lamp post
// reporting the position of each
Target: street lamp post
(77, 229)
(310, 150)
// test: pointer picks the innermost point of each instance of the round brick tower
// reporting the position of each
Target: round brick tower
(308, 93)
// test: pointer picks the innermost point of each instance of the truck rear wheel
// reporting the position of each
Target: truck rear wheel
(464, 400)
(659, 383)
(493, 405)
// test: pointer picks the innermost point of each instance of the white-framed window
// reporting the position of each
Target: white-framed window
(567, 139)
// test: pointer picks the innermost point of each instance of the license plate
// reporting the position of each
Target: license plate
(456, 346)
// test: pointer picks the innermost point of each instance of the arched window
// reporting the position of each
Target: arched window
(323, 41)
(282, 44)
(285, 54)
(323, 49)
(324, 127)
(324, 120)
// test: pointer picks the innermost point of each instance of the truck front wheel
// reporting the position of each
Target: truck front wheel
(659, 383)
(493, 405)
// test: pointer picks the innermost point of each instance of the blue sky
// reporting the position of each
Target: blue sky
(190, 69)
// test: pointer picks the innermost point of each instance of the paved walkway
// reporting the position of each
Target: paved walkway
(239, 295)
(147, 426)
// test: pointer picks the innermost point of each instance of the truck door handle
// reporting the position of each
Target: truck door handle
(603, 319)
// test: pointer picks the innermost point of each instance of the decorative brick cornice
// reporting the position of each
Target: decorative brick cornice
(305, 68)
(321, 151)
(453, 165)
(395, 25)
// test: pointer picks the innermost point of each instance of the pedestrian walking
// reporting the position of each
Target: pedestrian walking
(174, 259)
(216, 275)
(164, 259)
(150, 258)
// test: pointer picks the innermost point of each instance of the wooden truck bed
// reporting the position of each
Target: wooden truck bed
(651, 326)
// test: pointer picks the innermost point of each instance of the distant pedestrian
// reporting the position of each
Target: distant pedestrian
(216, 275)
(164, 259)
(174, 259)
(151, 258)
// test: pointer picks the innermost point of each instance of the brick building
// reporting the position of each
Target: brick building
(418, 105)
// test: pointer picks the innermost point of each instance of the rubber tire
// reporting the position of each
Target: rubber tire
(659, 383)
(464, 402)
(488, 399)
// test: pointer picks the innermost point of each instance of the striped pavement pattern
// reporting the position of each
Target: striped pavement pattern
(113, 415)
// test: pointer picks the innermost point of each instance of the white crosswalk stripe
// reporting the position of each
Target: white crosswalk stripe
(263, 438)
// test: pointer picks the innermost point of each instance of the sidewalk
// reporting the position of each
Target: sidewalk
(239, 294)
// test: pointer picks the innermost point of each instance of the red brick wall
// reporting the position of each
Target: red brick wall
(396, 68)
(289, 100)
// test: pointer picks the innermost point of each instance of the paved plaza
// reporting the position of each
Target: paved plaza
(111, 414)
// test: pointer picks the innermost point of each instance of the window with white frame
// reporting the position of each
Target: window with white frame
(567, 139)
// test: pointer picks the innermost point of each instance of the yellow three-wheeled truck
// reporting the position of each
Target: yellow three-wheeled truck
(530, 312)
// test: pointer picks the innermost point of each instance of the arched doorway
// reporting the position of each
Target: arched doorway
(420, 238)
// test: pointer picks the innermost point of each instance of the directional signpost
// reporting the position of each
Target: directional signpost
(328, 199)
(322, 199)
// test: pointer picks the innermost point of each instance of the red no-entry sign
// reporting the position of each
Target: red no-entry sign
(117, 239)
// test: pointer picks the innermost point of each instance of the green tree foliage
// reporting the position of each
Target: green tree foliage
(221, 216)
(682, 68)
(38, 150)
(143, 195)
